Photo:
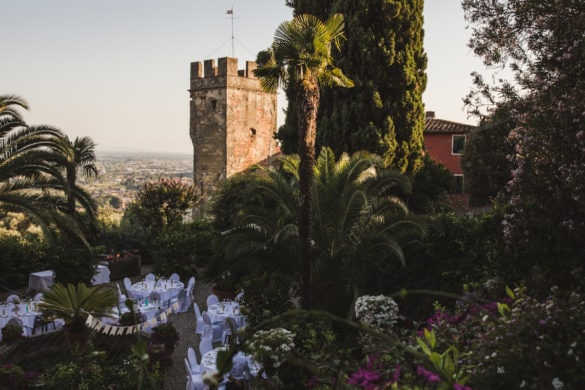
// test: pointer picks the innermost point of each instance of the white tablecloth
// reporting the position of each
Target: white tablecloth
(168, 290)
(40, 281)
(102, 275)
(149, 311)
(26, 315)
(221, 310)
(208, 361)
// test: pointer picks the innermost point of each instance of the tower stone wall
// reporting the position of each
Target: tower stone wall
(232, 120)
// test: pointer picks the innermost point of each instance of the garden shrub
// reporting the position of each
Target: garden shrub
(534, 344)
(182, 248)
(265, 296)
(18, 258)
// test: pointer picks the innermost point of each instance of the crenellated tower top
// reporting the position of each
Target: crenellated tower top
(226, 66)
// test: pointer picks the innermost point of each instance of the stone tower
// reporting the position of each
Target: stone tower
(232, 121)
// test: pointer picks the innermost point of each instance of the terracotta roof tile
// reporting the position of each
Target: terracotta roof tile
(434, 125)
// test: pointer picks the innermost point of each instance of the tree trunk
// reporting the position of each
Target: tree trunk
(308, 104)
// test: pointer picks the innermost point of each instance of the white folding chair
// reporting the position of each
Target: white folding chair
(155, 297)
(13, 298)
(214, 330)
(192, 359)
(229, 329)
(175, 277)
(128, 287)
(205, 345)
(212, 300)
(121, 297)
(150, 277)
(16, 321)
(191, 283)
(198, 319)
(183, 301)
(194, 381)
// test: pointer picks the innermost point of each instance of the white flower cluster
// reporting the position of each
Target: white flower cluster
(377, 311)
(271, 346)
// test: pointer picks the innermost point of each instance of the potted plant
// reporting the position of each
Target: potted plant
(73, 303)
(11, 334)
(167, 335)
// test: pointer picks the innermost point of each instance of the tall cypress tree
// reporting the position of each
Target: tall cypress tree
(384, 55)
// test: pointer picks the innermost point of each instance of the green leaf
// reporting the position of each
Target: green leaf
(224, 361)
(430, 336)
(510, 292)
(504, 310)
(423, 346)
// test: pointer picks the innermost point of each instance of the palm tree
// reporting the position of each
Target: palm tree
(78, 155)
(301, 54)
(362, 229)
(74, 303)
(30, 180)
(9, 105)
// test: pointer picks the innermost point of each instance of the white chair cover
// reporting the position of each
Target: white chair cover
(150, 277)
(192, 359)
(198, 319)
(212, 300)
(38, 297)
(229, 328)
(155, 296)
(191, 283)
(13, 298)
(239, 296)
(16, 321)
(205, 345)
(215, 330)
(128, 287)
(184, 303)
(194, 381)
(175, 277)
(121, 297)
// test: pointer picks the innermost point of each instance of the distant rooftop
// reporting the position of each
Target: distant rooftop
(434, 125)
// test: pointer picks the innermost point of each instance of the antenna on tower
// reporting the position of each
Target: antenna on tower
(231, 13)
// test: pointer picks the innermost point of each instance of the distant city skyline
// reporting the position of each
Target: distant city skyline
(118, 71)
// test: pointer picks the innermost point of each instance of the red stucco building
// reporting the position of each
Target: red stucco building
(444, 142)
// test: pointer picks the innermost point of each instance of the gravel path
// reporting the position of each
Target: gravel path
(175, 376)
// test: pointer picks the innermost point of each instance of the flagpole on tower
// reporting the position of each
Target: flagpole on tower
(231, 13)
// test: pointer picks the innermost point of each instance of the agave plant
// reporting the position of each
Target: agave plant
(74, 303)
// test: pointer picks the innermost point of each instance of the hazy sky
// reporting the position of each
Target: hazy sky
(118, 70)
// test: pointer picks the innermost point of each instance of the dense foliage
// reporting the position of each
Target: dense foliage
(31, 177)
(301, 56)
(363, 230)
(542, 46)
(158, 205)
(485, 161)
(383, 54)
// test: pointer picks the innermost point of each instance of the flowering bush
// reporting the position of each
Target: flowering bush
(271, 347)
(378, 312)
(534, 344)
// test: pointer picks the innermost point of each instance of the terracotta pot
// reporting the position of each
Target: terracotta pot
(77, 340)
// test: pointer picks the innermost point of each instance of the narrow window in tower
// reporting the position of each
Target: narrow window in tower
(213, 104)
(252, 131)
